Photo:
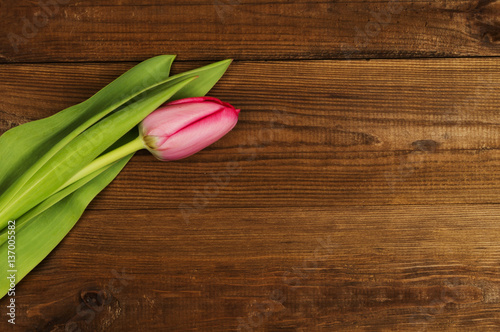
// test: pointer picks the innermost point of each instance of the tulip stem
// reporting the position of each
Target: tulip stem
(107, 159)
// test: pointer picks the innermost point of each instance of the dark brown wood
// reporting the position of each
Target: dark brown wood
(332, 133)
(341, 268)
(246, 30)
(352, 195)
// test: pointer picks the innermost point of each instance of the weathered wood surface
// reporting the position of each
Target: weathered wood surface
(332, 268)
(71, 30)
(351, 196)
(332, 133)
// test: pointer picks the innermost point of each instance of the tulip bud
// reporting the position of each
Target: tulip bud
(186, 126)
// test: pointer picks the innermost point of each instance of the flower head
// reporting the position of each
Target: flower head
(183, 127)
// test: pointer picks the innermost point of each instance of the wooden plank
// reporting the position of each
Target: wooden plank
(68, 30)
(351, 196)
(345, 268)
(332, 133)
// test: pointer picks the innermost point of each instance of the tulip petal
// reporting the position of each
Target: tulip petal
(194, 100)
(169, 119)
(198, 135)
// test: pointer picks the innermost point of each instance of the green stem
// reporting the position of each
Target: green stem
(96, 165)
(105, 160)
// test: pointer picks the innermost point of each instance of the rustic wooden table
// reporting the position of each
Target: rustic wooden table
(359, 191)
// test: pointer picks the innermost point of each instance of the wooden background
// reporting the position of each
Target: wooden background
(359, 191)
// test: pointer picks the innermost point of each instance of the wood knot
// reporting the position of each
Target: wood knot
(96, 299)
(484, 20)
(425, 145)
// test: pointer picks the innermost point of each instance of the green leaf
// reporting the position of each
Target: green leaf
(31, 152)
(29, 216)
(86, 147)
(40, 236)
(52, 200)
(207, 77)
(75, 155)
(26, 148)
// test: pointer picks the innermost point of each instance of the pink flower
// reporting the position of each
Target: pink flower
(183, 127)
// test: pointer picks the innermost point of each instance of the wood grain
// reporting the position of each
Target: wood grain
(342, 268)
(246, 30)
(333, 133)
(352, 195)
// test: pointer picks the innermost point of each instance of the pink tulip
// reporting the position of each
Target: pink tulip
(184, 127)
